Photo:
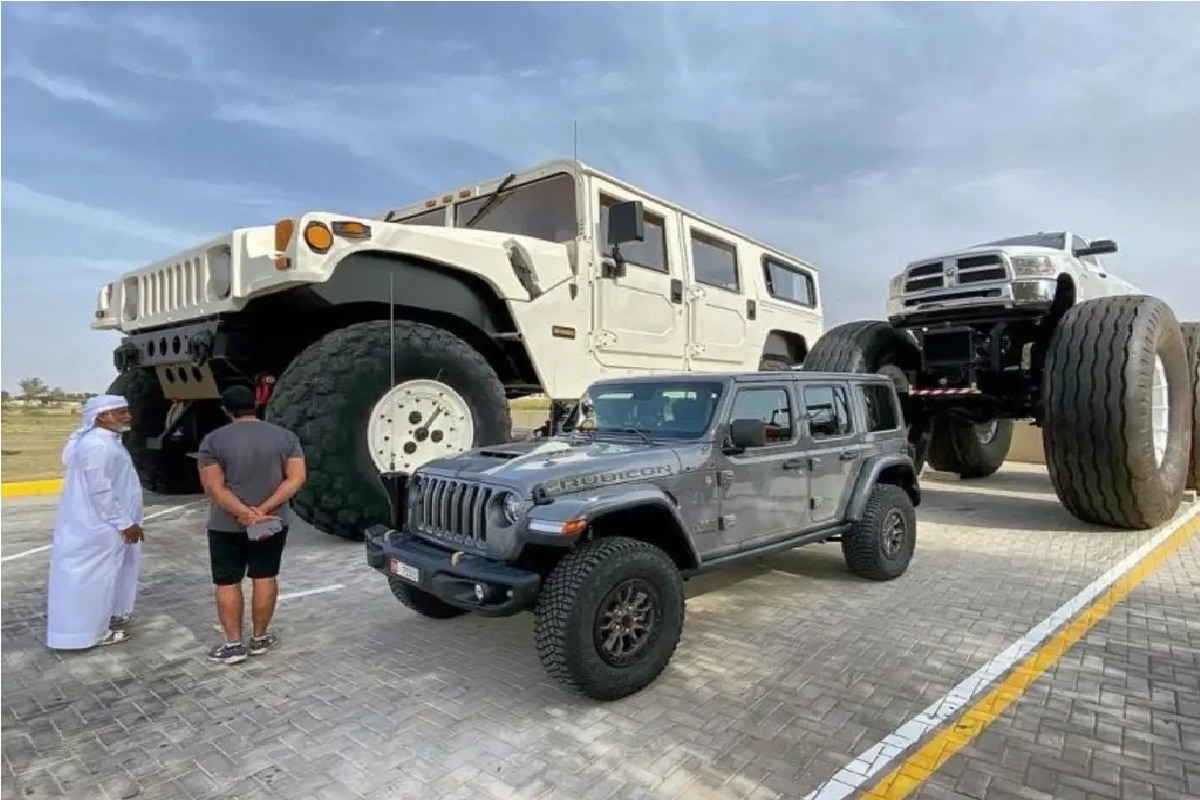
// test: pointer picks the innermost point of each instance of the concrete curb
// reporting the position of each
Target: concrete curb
(31, 488)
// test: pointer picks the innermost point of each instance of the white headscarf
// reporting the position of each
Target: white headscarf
(91, 409)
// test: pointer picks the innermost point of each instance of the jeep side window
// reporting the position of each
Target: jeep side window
(715, 262)
(788, 283)
(881, 408)
(828, 412)
(771, 405)
(651, 252)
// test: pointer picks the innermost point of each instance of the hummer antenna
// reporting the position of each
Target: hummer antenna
(575, 139)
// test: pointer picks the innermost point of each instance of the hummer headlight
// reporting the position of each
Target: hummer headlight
(513, 507)
(1033, 265)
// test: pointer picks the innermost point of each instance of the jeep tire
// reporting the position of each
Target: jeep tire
(880, 544)
(326, 395)
(611, 590)
(422, 601)
(1098, 423)
(972, 451)
(169, 471)
(1191, 340)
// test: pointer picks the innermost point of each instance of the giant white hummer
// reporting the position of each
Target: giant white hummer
(386, 341)
(1035, 327)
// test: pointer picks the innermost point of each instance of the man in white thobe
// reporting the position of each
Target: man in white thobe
(96, 550)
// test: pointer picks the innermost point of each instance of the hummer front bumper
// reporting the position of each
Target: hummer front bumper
(470, 582)
(1035, 295)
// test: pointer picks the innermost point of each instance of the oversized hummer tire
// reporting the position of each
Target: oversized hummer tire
(168, 471)
(337, 396)
(1118, 411)
(1191, 339)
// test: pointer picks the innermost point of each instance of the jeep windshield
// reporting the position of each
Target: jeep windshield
(1056, 241)
(651, 409)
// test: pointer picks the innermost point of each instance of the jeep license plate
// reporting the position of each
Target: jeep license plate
(406, 571)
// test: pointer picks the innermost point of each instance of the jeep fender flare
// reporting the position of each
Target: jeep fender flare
(594, 506)
(895, 469)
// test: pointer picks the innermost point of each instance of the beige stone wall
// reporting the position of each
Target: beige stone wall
(1026, 444)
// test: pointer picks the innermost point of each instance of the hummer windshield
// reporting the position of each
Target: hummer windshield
(668, 409)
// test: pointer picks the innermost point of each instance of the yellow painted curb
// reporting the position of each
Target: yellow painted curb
(31, 488)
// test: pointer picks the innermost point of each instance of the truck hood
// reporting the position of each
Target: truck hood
(1012, 250)
(562, 460)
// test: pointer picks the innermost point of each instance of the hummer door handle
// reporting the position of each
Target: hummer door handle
(794, 463)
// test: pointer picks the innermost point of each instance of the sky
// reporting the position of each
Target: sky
(855, 135)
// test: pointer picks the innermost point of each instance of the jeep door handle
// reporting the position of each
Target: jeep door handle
(794, 464)
(848, 455)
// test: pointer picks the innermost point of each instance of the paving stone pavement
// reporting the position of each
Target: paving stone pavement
(787, 670)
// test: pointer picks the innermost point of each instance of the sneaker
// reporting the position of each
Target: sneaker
(120, 621)
(261, 644)
(228, 653)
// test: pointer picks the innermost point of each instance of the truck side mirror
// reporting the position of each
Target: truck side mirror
(626, 223)
(747, 433)
(1099, 247)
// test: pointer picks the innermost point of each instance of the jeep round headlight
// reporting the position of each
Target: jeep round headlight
(513, 508)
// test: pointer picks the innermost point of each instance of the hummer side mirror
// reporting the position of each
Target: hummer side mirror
(1100, 247)
(624, 223)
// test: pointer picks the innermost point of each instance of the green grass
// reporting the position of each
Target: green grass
(31, 442)
(537, 403)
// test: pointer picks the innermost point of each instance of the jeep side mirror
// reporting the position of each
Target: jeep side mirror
(747, 433)
(1099, 247)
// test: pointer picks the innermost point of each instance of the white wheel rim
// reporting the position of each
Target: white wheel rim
(987, 433)
(1160, 411)
(416, 422)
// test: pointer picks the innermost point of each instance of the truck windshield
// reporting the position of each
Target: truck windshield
(544, 209)
(670, 409)
(1058, 241)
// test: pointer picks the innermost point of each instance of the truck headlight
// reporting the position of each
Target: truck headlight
(896, 286)
(1033, 265)
(513, 508)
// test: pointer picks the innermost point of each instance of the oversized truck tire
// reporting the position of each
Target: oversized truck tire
(1117, 411)
(337, 396)
(970, 450)
(170, 471)
(1191, 340)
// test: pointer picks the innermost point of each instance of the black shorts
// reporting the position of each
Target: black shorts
(234, 557)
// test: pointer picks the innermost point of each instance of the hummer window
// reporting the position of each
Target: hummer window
(714, 262)
(650, 253)
(828, 412)
(880, 406)
(785, 282)
(544, 209)
(771, 405)
(435, 218)
(677, 410)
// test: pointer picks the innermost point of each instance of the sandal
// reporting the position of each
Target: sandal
(113, 637)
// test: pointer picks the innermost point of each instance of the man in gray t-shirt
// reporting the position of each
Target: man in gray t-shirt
(250, 469)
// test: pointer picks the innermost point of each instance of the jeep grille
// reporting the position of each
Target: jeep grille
(966, 270)
(455, 511)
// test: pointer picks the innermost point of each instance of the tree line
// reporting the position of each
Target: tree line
(36, 390)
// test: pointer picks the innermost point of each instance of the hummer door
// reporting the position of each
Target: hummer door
(835, 448)
(717, 329)
(641, 321)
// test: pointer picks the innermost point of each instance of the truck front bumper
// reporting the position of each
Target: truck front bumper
(470, 582)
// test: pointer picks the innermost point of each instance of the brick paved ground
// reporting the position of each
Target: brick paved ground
(787, 670)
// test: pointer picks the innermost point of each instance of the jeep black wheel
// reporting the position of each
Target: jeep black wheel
(609, 617)
(353, 423)
(422, 601)
(1191, 340)
(1118, 414)
(972, 451)
(169, 471)
(880, 545)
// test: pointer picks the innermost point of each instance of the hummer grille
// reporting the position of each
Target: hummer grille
(955, 272)
(455, 511)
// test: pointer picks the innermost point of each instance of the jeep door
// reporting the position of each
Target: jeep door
(714, 291)
(640, 317)
(765, 489)
(835, 447)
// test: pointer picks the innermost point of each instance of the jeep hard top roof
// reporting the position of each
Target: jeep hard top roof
(768, 376)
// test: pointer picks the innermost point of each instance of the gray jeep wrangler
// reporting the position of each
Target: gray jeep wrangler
(655, 479)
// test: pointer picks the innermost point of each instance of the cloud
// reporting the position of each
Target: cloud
(71, 90)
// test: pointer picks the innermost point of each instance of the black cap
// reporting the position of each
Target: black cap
(237, 399)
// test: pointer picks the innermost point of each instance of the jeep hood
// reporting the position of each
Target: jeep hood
(525, 464)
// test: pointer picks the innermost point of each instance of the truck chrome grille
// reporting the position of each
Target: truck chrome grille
(965, 270)
(455, 511)
(172, 288)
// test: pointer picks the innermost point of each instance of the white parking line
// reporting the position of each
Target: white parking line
(880, 756)
(146, 518)
(333, 587)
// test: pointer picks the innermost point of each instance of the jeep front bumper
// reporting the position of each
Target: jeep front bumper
(470, 582)
(1035, 294)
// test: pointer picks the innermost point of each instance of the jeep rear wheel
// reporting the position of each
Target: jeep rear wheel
(972, 451)
(1118, 411)
(1191, 340)
(353, 423)
(422, 601)
(880, 545)
(609, 617)
(167, 471)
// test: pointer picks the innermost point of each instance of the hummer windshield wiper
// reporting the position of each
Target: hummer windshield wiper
(491, 201)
